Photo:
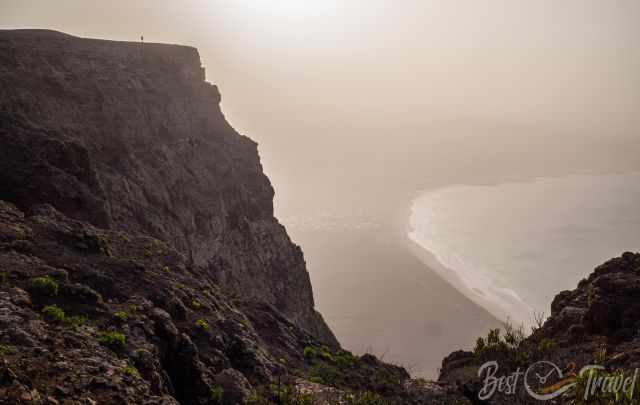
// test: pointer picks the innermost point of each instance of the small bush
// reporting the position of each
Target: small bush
(364, 398)
(113, 340)
(512, 344)
(316, 379)
(217, 394)
(75, 321)
(326, 373)
(322, 353)
(202, 324)
(325, 354)
(121, 316)
(309, 352)
(545, 344)
(5, 350)
(130, 371)
(601, 355)
(54, 313)
(46, 285)
(279, 395)
(195, 304)
(345, 359)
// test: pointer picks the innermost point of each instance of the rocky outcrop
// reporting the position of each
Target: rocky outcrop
(131, 137)
(598, 323)
(606, 303)
(89, 314)
(96, 316)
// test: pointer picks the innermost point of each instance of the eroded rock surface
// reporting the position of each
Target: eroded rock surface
(131, 137)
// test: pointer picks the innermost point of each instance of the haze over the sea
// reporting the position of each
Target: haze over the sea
(511, 247)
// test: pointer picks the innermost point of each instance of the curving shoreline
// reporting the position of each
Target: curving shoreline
(567, 224)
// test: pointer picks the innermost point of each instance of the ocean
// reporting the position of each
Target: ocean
(512, 247)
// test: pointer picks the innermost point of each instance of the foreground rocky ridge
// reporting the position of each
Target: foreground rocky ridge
(89, 315)
(598, 323)
(131, 137)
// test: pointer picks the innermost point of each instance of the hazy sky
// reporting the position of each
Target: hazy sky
(571, 64)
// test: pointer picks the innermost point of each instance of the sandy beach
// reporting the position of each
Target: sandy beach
(379, 297)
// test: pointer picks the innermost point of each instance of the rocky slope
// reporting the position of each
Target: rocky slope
(131, 137)
(96, 316)
(598, 323)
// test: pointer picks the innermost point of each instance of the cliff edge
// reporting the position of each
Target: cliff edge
(130, 137)
(140, 261)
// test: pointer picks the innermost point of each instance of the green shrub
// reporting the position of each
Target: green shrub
(364, 398)
(195, 304)
(279, 395)
(113, 340)
(325, 354)
(217, 394)
(601, 355)
(121, 316)
(310, 352)
(5, 350)
(54, 313)
(512, 344)
(480, 346)
(75, 321)
(545, 344)
(130, 371)
(326, 373)
(202, 324)
(322, 353)
(46, 285)
(316, 379)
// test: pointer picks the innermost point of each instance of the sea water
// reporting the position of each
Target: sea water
(512, 247)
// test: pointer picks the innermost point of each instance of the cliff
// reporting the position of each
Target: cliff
(140, 261)
(131, 137)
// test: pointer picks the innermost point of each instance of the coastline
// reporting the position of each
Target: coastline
(479, 296)
(381, 292)
(378, 297)
(502, 303)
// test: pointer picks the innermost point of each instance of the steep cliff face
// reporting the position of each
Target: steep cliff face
(131, 137)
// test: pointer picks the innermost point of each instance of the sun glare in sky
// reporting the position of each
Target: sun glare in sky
(298, 23)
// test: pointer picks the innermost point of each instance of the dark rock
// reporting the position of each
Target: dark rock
(236, 388)
(140, 145)
(576, 331)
